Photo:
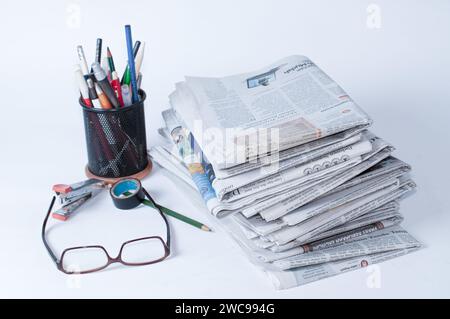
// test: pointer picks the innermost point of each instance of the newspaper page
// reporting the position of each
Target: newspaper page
(288, 233)
(292, 95)
(324, 164)
(296, 155)
(271, 210)
(202, 172)
(388, 210)
(375, 216)
(199, 166)
(264, 254)
(226, 185)
(303, 232)
(391, 165)
(303, 275)
(391, 238)
(321, 205)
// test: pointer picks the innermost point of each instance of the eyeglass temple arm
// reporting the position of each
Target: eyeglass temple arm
(44, 226)
(162, 215)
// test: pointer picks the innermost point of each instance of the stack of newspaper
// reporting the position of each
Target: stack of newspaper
(284, 158)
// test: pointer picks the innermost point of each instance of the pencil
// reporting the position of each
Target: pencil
(174, 214)
(178, 216)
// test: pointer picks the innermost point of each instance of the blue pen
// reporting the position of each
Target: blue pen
(131, 65)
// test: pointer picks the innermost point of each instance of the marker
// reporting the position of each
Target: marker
(98, 50)
(126, 95)
(126, 77)
(131, 64)
(104, 102)
(83, 63)
(84, 90)
(139, 58)
(102, 80)
(93, 93)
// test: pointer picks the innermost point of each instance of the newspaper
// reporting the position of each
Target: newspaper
(342, 153)
(324, 203)
(323, 165)
(273, 209)
(273, 162)
(375, 216)
(309, 105)
(171, 163)
(223, 186)
(203, 174)
(303, 275)
(303, 232)
(283, 156)
(386, 211)
(256, 249)
(388, 239)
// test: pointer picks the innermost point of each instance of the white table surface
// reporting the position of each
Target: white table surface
(398, 73)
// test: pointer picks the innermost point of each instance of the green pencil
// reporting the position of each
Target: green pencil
(179, 216)
(174, 214)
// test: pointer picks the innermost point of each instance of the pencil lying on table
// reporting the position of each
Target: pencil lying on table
(178, 216)
(174, 214)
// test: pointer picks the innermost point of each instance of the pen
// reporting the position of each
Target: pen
(83, 63)
(93, 93)
(104, 84)
(139, 58)
(139, 80)
(104, 102)
(126, 78)
(98, 52)
(84, 90)
(131, 64)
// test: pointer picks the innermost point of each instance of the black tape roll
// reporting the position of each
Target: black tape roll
(127, 193)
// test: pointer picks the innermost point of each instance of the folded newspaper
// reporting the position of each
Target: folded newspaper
(284, 159)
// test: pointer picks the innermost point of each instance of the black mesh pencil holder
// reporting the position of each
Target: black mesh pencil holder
(116, 141)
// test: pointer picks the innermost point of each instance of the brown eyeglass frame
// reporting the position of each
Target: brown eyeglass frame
(118, 259)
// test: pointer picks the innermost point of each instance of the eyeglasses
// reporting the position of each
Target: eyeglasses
(87, 259)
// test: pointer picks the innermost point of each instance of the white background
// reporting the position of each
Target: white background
(398, 73)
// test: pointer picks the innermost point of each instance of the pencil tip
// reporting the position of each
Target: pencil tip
(206, 228)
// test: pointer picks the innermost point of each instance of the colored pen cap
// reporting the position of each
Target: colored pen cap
(99, 73)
